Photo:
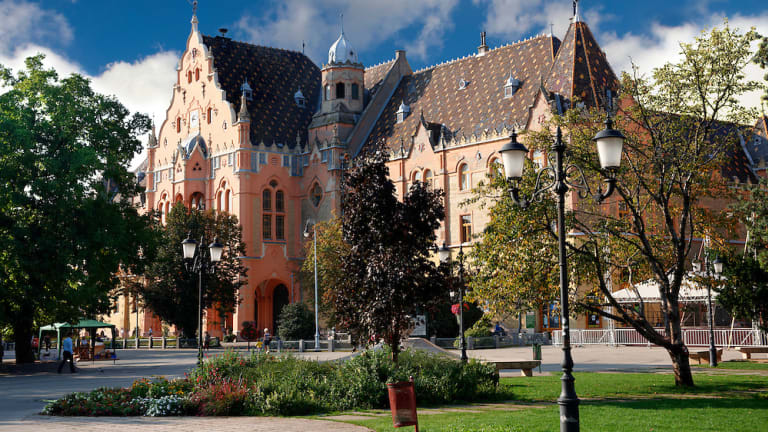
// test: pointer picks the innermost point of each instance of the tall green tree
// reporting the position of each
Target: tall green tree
(389, 275)
(679, 124)
(744, 289)
(66, 220)
(171, 288)
(330, 250)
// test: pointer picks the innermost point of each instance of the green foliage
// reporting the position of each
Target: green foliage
(250, 332)
(172, 290)
(296, 322)
(66, 217)
(744, 290)
(481, 328)
(761, 59)
(330, 250)
(388, 274)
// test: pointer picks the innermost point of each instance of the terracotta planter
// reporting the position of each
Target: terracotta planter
(402, 402)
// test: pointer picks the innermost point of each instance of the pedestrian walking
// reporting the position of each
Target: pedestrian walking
(206, 342)
(66, 354)
(267, 340)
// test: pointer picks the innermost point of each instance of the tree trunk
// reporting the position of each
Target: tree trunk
(681, 365)
(22, 336)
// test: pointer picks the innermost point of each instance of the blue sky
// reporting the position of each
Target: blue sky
(130, 48)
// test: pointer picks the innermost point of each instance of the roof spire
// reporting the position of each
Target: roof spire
(194, 15)
(576, 17)
(341, 18)
(243, 116)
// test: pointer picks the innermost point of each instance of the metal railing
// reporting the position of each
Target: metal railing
(694, 337)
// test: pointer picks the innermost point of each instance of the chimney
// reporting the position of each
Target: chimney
(483, 48)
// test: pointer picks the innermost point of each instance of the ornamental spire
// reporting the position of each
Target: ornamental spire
(194, 15)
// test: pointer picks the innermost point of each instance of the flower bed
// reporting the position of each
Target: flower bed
(231, 385)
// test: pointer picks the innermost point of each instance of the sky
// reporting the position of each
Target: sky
(130, 49)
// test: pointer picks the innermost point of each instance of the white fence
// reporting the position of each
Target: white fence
(691, 337)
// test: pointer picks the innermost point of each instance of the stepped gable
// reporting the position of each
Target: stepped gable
(375, 75)
(274, 75)
(434, 94)
(581, 70)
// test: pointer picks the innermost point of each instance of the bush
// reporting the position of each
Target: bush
(260, 384)
(296, 322)
(482, 328)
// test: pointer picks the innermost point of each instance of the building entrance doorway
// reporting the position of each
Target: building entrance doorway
(279, 300)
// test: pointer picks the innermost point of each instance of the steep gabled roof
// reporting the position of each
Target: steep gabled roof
(581, 70)
(374, 76)
(434, 93)
(274, 76)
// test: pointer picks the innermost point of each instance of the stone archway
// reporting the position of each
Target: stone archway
(280, 299)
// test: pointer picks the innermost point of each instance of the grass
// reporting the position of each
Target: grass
(739, 365)
(616, 402)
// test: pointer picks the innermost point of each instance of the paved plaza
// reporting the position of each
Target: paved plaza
(23, 395)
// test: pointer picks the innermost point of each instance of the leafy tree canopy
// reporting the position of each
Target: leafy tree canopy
(389, 276)
(66, 220)
(744, 289)
(330, 250)
(296, 322)
(171, 290)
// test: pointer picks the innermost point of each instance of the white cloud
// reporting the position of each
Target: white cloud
(142, 86)
(662, 45)
(23, 22)
(287, 24)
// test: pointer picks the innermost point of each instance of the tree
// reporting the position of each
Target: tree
(744, 289)
(171, 291)
(761, 59)
(296, 322)
(389, 276)
(66, 219)
(681, 125)
(250, 332)
(330, 250)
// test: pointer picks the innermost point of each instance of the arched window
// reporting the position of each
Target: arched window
(279, 201)
(266, 200)
(197, 201)
(355, 91)
(428, 178)
(178, 124)
(327, 92)
(463, 177)
(340, 91)
(189, 76)
(218, 201)
(227, 199)
(197, 74)
(208, 115)
(316, 195)
(495, 168)
(417, 176)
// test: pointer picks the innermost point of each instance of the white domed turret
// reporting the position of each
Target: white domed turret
(341, 51)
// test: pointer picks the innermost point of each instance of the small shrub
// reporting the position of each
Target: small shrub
(166, 406)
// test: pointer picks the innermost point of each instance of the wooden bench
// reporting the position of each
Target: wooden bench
(526, 366)
(746, 352)
(703, 356)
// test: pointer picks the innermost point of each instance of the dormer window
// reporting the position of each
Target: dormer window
(511, 86)
(301, 101)
(402, 112)
(247, 91)
(463, 84)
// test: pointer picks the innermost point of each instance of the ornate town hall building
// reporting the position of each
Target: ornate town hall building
(263, 133)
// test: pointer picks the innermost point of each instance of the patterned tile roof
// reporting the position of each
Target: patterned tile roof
(581, 69)
(434, 93)
(375, 75)
(274, 75)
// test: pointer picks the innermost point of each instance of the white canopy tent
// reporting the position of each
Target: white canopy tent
(648, 292)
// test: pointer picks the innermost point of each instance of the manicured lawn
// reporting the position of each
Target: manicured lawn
(617, 402)
(739, 364)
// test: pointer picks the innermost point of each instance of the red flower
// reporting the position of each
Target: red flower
(455, 308)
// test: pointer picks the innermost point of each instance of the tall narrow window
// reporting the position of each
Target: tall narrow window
(178, 124)
(417, 176)
(218, 201)
(340, 91)
(227, 200)
(208, 115)
(327, 92)
(266, 226)
(428, 178)
(355, 91)
(189, 76)
(197, 74)
(280, 227)
(463, 177)
(317, 194)
(466, 228)
(266, 200)
(279, 201)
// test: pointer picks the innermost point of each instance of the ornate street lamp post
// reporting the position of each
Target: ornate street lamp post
(715, 266)
(314, 239)
(609, 147)
(445, 257)
(196, 252)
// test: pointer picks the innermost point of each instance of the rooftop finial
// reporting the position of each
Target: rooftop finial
(341, 18)
(194, 14)
(576, 11)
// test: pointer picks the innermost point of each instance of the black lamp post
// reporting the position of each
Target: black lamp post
(314, 239)
(196, 252)
(609, 146)
(715, 266)
(445, 257)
